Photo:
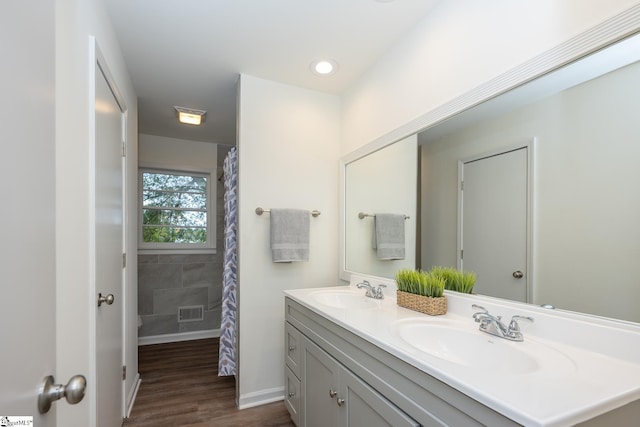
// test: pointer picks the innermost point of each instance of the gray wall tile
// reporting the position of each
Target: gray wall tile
(211, 321)
(156, 276)
(159, 325)
(167, 301)
(197, 274)
(184, 259)
(147, 259)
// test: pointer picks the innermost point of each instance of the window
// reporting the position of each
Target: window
(175, 210)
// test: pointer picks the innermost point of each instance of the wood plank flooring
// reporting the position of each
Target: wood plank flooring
(181, 387)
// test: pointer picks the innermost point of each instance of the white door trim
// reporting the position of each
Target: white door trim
(96, 59)
(530, 145)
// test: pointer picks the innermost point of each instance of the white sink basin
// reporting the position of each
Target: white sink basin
(344, 299)
(463, 345)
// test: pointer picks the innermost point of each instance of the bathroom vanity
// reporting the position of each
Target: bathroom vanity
(357, 361)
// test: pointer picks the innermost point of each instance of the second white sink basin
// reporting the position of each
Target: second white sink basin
(457, 343)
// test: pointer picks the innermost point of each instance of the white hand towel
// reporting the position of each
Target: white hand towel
(289, 235)
(388, 236)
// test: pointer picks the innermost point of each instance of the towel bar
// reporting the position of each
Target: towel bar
(363, 215)
(260, 211)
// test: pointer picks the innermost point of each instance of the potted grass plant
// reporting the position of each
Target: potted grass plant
(455, 280)
(421, 291)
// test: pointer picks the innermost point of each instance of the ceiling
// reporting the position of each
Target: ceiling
(190, 53)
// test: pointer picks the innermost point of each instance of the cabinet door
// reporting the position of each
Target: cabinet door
(365, 407)
(320, 387)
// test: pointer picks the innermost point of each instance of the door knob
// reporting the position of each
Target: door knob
(50, 392)
(518, 274)
(332, 393)
(105, 299)
(340, 401)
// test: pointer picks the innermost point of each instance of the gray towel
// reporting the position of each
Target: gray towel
(388, 236)
(289, 235)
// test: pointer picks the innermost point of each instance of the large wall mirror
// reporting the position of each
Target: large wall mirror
(580, 199)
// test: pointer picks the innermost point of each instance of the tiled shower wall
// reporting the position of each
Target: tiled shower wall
(166, 282)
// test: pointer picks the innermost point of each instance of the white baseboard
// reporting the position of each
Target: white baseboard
(262, 397)
(133, 394)
(184, 336)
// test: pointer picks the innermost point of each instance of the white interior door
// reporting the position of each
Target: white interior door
(494, 199)
(109, 128)
(27, 180)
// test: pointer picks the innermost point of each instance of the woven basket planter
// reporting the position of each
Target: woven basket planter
(429, 305)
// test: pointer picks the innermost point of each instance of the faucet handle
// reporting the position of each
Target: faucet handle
(481, 308)
(480, 314)
(514, 326)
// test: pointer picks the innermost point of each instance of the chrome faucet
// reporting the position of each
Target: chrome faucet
(372, 291)
(493, 324)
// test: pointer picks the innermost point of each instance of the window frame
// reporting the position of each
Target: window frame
(164, 247)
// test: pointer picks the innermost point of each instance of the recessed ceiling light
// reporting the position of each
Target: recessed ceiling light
(190, 116)
(324, 67)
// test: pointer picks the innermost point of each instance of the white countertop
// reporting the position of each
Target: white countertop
(578, 383)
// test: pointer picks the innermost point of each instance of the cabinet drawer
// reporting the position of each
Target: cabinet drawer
(292, 344)
(292, 395)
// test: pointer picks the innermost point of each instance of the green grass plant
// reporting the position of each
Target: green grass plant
(455, 280)
(420, 283)
(465, 282)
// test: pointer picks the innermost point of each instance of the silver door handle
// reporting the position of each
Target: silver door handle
(105, 299)
(73, 391)
(518, 274)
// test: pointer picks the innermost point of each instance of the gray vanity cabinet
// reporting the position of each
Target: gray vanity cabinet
(333, 396)
(326, 363)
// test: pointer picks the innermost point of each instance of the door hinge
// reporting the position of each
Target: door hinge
(124, 372)
(461, 253)
(124, 260)
(124, 149)
(461, 185)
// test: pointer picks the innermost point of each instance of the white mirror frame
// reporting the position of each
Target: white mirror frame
(596, 38)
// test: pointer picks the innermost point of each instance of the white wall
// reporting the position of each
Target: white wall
(382, 182)
(76, 21)
(174, 153)
(460, 45)
(586, 228)
(288, 158)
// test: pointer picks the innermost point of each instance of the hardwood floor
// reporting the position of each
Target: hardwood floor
(181, 387)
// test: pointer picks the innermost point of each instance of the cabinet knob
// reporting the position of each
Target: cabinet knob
(292, 393)
(332, 393)
(292, 348)
(340, 402)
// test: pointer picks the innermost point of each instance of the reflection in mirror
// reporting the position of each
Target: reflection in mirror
(585, 228)
(382, 182)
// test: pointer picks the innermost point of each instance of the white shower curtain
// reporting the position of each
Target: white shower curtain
(227, 356)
